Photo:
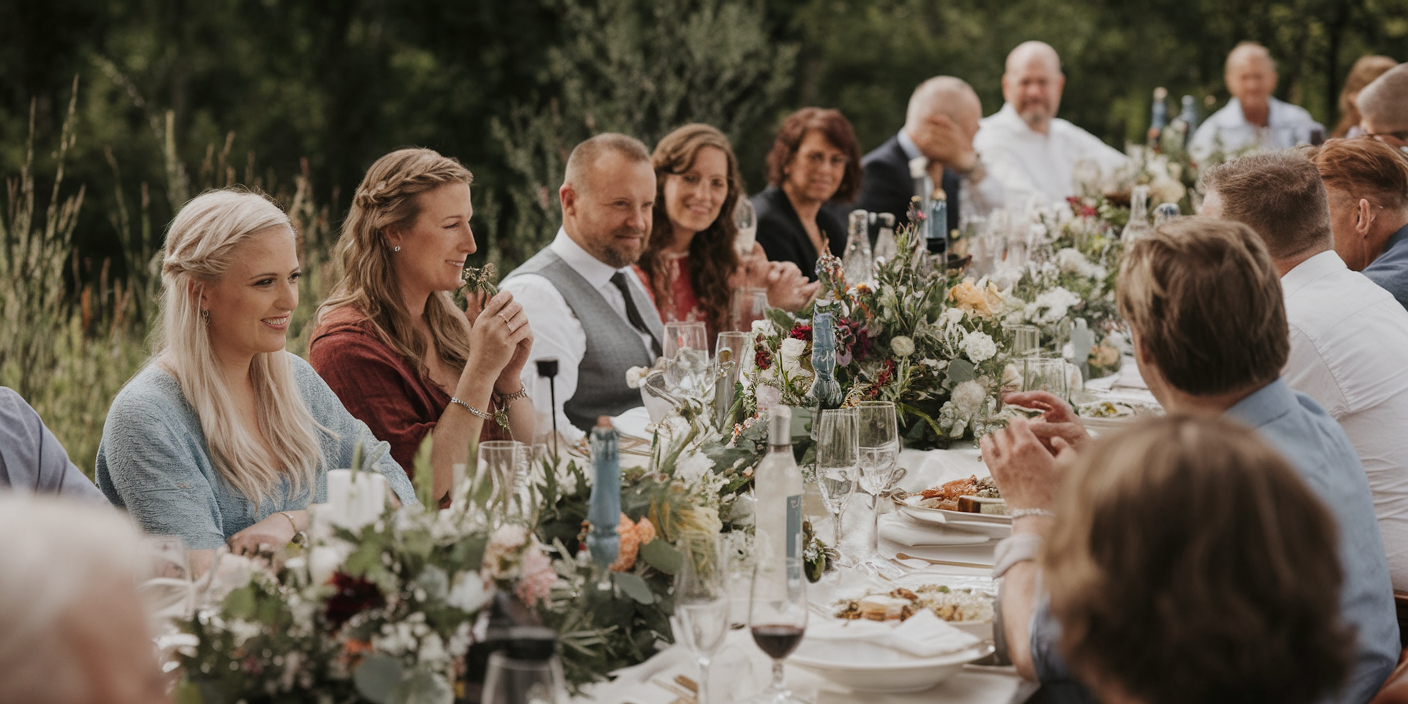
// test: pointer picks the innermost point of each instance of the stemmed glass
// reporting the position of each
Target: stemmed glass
(746, 306)
(879, 451)
(686, 353)
(1026, 340)
(837, 461)
(701, 600)
(1047, 374)
(736, 347)
(505, 463)
(511, 680)
(777, 616)
(746, 218)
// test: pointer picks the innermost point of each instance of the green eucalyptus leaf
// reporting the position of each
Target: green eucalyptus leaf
(634, 587)
(423, 687)
(662, 556)
(376, 678)
(961, 370)
(241, 603)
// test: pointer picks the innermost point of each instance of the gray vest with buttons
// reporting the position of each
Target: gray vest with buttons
(613, 346)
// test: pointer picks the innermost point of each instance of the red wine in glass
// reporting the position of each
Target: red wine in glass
(777, 640)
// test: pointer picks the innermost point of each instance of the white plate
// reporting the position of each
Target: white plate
(944, 516)
(866, 667)
(931, 517)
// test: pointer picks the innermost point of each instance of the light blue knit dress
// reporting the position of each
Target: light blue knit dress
(154, 461)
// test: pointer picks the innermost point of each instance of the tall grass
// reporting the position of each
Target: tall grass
(68, 353)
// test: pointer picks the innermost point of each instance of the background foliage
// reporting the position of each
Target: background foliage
(298, 97)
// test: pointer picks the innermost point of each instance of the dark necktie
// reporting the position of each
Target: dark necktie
(633, 313)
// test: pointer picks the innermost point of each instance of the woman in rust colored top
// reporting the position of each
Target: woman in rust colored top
(690, 258)
(391, 342)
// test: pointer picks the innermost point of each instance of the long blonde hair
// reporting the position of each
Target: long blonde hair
(200, 247)
(386, 200)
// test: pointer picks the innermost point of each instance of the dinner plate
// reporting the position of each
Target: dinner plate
(992, 529)
(941, 516)
(865, 667)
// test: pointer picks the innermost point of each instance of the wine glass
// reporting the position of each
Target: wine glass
(1026, 340)
(837, 461)
(166, 589)
(701, 600)
(878, 440)
(777, 616)
(746, 218)
(1046, 374)
(510, 680)
(686, 354)
(505, 463)
(734, 346)
(746, 306)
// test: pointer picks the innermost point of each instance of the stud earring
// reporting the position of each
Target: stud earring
(205, 316)
(397, 248)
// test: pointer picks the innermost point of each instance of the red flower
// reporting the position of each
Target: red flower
(801, 331)
(763, 359)
(354, 595)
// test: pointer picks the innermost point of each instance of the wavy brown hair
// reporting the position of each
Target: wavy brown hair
(388, 200)
(837, 130)
(1190, 563)
(712, 257)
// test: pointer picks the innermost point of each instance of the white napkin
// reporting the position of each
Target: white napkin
(904, 532)
(923, 635)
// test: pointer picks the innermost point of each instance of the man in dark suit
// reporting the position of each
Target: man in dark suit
(937, 140)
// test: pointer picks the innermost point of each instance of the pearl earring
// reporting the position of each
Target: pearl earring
(397, 248)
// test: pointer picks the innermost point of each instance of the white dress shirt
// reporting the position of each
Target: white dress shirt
(974, 198)
(1349, 351)
(1029, 163)
(557, 332)
(1228, 131)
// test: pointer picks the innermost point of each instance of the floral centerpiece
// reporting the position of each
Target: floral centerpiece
(382, 613)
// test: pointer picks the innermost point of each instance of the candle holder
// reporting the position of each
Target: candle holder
(547, 368)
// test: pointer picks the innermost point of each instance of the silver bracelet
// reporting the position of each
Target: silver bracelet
(472, 409)
(1029, 512)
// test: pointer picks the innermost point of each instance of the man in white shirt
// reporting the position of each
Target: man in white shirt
(1252, 120)
(588, 309)
(1025, 146)
(1349, 337)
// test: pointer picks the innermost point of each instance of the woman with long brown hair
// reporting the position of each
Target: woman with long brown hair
(390, 340)
(690, 259)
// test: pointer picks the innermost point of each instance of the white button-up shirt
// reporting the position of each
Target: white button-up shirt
(1349, 351)
(1029, 163)
(1228, 131)
(558, 333)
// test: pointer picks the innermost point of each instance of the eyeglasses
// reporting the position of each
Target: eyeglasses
(817, 160)
(1400, 137)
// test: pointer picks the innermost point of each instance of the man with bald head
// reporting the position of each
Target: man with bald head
(1383, 108)
(1026, 147)
(937, 141)
(581, 293)
(1252, 120)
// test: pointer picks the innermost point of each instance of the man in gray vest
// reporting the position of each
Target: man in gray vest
(583, 299)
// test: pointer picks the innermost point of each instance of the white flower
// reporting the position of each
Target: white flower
(968, 398)
(636, 375)
(468, 592)
(242, 630)
(1051, 306)
(953, 316)
(762, 326)
(768, 396)
(1072, 261)
(693, 468)
(1011, 376)
(791, 352)
(432, 651)
(979, 346)
(324, 560)
(902, 346)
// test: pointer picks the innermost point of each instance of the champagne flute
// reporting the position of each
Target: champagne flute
(505, 463)
(746, 218)
(1026, 340)
(701, 600)
(736, 347)
(879, 451)
(837, 461)
(748, 305)
(777, 616)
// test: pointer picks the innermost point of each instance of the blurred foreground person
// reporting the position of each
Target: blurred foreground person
(1188, 536)
(1252, 119)
(224, 436)
(1383, 108)
(72, 628)
(1204, 303)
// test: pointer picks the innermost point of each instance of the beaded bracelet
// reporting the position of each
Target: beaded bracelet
(1029, 512)
(499, 417)
(506, 399)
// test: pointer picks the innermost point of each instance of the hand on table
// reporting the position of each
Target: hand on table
(1058, 419)
(269, 534)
